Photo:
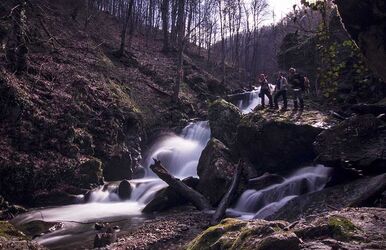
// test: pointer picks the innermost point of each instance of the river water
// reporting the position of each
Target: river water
(180, 153)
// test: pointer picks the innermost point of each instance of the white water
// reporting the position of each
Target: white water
(265, 202)
(251, 100)
(180, 153)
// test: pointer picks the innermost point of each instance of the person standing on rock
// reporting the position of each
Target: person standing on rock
(281, 90)
(297, 83)
(264, 91)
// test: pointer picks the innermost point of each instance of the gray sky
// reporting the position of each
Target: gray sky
(281, 8)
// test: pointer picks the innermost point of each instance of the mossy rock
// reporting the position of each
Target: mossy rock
(224, 118)
(341, 227)
(8, 231)
(219, 235)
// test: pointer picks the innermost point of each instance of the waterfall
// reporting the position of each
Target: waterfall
(249, 101)
(263, 203)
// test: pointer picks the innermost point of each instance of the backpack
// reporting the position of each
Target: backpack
(302, 82)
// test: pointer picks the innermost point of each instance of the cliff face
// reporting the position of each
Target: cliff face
(333, 62)
(366, 23)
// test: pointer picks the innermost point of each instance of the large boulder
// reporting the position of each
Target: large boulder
(362, 192)
(216, 170)
(349, 228)
(277, 142)
(223, 120)
(124, 190)
(118, 167)
(365, 20)
(91, 172)
(358, 142)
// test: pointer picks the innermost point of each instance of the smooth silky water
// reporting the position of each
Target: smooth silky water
(180, 154)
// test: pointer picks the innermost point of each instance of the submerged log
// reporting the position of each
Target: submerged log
(226, 200)
(197, 199)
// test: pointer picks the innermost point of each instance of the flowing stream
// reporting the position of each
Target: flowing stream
(180, 153)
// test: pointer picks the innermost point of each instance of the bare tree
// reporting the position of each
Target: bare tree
(124, 29)
(181, 39)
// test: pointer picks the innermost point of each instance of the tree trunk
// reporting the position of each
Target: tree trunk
(197, 199)
(124, 29)
(181, 38)
(165, 24)
(16, 47)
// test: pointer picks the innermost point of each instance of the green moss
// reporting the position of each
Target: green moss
(122, 93)
(7, 230)
(215, 235)
(341, 227)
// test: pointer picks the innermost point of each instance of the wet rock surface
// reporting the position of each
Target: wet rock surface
(358, 142)
(216, 170)
(262, 136)
(350, 228)
(223, 120)
(11, 239)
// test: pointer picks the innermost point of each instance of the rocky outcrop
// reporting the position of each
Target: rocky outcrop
(344, 229)
(358, 142)
(118, 167)
(365, 20)
(11, 238)
(216, 170)
(8, 211)
(223, 120)
(91, 172)
(263, 136)
(363, 192)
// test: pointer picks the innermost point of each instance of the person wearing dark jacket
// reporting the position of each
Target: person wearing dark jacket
(281, 88)
(264, 91)
(297, 83)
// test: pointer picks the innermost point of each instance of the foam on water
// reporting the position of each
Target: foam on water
(263, 203)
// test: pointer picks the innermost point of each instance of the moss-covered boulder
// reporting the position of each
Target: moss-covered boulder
(223, 120)
(278, 142)
(350, 228)
(216, 170)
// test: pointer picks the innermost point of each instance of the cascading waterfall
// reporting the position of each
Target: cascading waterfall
(180, 154)
(249, 101)
(263, 203)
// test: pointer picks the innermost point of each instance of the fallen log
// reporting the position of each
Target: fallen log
(197, 199)
(227, 198)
